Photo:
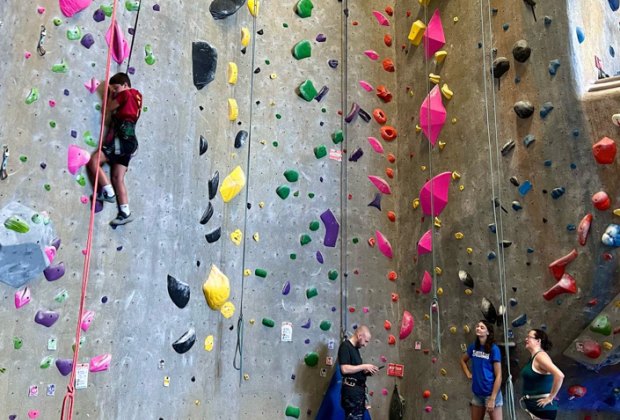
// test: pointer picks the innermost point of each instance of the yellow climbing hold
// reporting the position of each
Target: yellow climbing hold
(434, 78)
(253, 6)
(245, 36)
(442, 145)
(273, 76)
(233, 184)
(418, 129)
(454, 120)
(246, 377)
(459, 235)
(415, 203)
(468, 292)
(444, 397)
(456, 175)
(423, 168)
(453, 330)
(233, 109)
(247, 272)
(411, 92)
(426, 317)
(209, 343)
(461, 187)
(440, 56)
(617, 212)
(233, 72)
(437, 222)
(466, 329)
(252, 321)
(438, 271)
(443, 371)
(607, 345)
(440, 291)
(446, 92)
(455, 19)
(256, 237)
(216, 289)
(470, 250)
(261, 204)
(236, 237)
(424, 2)
(416, 32)
(197, 402)
(228, 310)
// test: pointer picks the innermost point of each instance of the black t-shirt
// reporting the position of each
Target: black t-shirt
(348, 354)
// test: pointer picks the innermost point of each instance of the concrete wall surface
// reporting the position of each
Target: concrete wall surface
(303, 160)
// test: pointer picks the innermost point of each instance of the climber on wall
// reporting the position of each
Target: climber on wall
(354, 372)
(122, 112)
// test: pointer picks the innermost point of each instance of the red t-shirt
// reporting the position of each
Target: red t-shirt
(130, 105)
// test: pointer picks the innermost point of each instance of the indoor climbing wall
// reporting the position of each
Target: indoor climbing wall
(282, 192)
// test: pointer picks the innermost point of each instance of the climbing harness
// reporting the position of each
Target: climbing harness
(497, 216)
(530, 397)
(69, 398)
(5, 162)
(42, 34)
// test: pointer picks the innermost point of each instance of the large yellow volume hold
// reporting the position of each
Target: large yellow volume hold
(216, 288)
(233, 72)
(245, 37)
(440, 56)
(232, 184)
(233, 109)
(253, 6)
(417, 32)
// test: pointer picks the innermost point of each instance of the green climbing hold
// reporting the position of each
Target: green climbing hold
(46, 362)
(260, 272)
(57, 21)
(314, 225)
(311, 359)
(355, 240)
(323, 110)
(268, 322)
(337, 137)
(296, 194)
(82, 341)
(303, 49)
(307, 90)
(291, 175)
(74, 34)
(283, 191)
(311, 292)
(36, 219)
(278, 116)
(47, 187)
(61, 67)
(332, 275)
(275, 144)
(23, 158)
(304, 8)
(320, 151)
(292, 411)
(16, 224)
(33, 96)
(53, 124)
(61, 296)
(325, 325)
(107, 9)
(150, 57)
(305, 239)
(17, 343)
(285, 25)
(98, 107)
(88, 139)
(310, 195)
(132, 6)
(81, 179)
(601, 325)
(293, 256)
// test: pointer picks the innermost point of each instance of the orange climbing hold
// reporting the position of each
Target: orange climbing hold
(601, 201)
(605, 151)
(389, 10)
(392, 276)
(388, 65)
(389, 172)
(426, 394)
(391, 158)
(387, 39)
(379, 116)
(388, 133)
(391, 216)
(384, 94)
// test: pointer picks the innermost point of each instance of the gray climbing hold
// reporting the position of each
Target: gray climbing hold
(488, 310)
(185, 342)
(204, 59)
(529, 140)
(519, 321)
(221, 9)
(524, 109)
(178, 291)
(521, 51)
(506, 148)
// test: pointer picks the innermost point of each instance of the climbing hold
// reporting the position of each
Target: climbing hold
(325, 325)
(61, 67)
(236, 236)
(581, 36)
(434, 78)
(366, 86)
(388, 133)
(179, 291)
(387, 40)
(356, 155)
(584, 229)
(433, 204)
(337, 136)
(375, 144)
(307, 90)
(332, 228)
(425, 244)
(204, 62)
(241, 138)
(303, 49)
(524, 109)
(214, 235)
(46, 318)
(416, 32)
(427, 283)
(283, 191)
(22, 297)
(311, 359)
(376, 202)
(233, 109)
(216, 289)
(227, 310)
(221, 9)
(601, 325)
(519, 321)
(76, 158)
(304, 8)
(576, 391)
(591, 349)
(185, 342)
(440, 56)
(566, 284)
(384, 245)
(381, 184)
(245, 36)
(87, 41)
(379, 116)
(432, 115)
(545, 109)
(291, 175)
(292, 411)
(388, 65)
(33, 96)
(521, 51)
(209, 343)
(406, 325)
(253, 7)
(434, 38)
(304, 239)
(446, 92)
(320, 151)
(332, 275)
(466, 279)
(381, 19)
(232, 184)
(71, 7)
(501, 65)
(384, 94)
(488, 310)
(604, 151)
(557, 192)
(232, 73)
(372, 54)
(73, 34)
(558, 267)
(213, 184)
(553, 66)
(601, 201)
(311, 292)
(611, 236)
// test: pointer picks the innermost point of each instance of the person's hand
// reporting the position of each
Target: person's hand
(468, 374)
(490, 404)
(371, 369)
(543, 402)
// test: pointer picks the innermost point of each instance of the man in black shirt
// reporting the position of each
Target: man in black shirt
(354, 372)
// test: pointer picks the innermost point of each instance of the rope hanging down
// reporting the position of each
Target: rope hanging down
(69, 398)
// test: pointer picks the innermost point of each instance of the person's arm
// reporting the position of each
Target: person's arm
(497, 370)
(546, 364)
(464, 361)
(366, 368)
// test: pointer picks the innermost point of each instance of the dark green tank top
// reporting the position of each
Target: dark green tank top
(535, 383)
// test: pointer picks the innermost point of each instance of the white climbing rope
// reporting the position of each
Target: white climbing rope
(497, 217)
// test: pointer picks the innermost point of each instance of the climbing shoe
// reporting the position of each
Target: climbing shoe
(121, 219)
(102, 196)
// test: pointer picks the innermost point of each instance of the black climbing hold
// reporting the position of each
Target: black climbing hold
(557, 192)
(466, 279)
(506, 148)
(321, 94)
(358, 153)
(204, 146)
(364, 115)
(545, 109)
(185, 342)
(241, 138)
(214, 235)
(492, 228)
(333, 63)
(214, 182)
(524, 109)
(529, 140)
(257, 70)
(506, 244)
(178, 291)
(521, 51)
(204, 59)
(488, 310)
(260, 32)
(206, 216)
(221, 9)
(514, 181)
(244, 50)
(500, 66)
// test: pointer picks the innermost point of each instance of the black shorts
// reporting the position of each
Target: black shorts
(531, 406)
(122, 143)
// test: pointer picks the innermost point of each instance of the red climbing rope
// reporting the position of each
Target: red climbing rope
(69, 398)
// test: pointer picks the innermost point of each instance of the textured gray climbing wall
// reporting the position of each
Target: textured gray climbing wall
(302, 161)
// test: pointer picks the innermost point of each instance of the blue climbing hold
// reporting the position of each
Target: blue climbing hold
(571, 228)
(548, 20)
(614, 4)
(492, 255)
(493, 228)
(528, 140)
(612, 52)
(557, 192)
(519, 321)
(546, 108)
(580, 35)
(548, 163)
(553, 66)
(525, 188)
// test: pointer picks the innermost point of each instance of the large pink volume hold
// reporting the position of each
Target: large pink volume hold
(71, 7)
(434, 194)
(425, 244)
(120, 47)
(406, 325)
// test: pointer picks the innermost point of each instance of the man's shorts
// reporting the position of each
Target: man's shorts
(121, 144)
(480, 401)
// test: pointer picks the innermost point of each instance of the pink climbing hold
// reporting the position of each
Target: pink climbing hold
(425, 244)
(366, 86)
(383, 21)
(372, 54)
(40, 10)
(22, 297)
(406, 325)
(33, 414)
(100, 363)
(381, 184)
(375, 144)
(92, 85)
(384, 245)
(50, 253)
(434, 38)
(120, 47)
(87, 319)
(76, 158)
(71, 7)
(427, 283)
(434, 194)
(432, 115)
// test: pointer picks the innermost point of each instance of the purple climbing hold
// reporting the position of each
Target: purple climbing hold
(307, 324)
(66, 92)
(321, 94)
(319, 257)
(156, 7)
(332, 228)
(46, 318)
(87, 41)
(352, 113)
(54, 272)
(286, 289)
(321, 38)
(13, 417)
(333, 63)
(376, 203)
(99, 15)
(356, 155)
(56, 243)
(64, 366)
(131, 31)
(98, 206)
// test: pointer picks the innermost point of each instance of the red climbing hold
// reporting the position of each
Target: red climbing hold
(392, 276)
(389, 172)
(384, 94)
(395, 297)
(576, 391)
(387, 39)
(387, 325)
(591, 349)
(379, 116)
(388, 65)
(391, 340)
(605, 151)
(391, 216)
(389, 10)
(566, 284)
(426, 394)
(601, 201)
(391, 158)
(558, 267)
(584, 229)
(388, 133)
(372, 242)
